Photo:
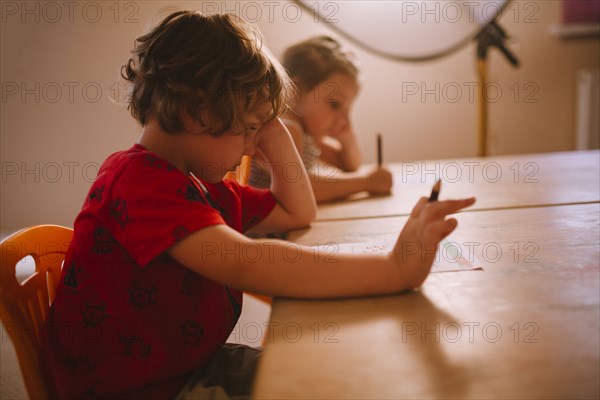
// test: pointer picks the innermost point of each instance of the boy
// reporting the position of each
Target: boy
(151, 286)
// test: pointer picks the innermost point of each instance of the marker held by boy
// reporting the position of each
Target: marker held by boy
(379, 154)
(435, 192)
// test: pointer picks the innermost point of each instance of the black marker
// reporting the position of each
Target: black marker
(435, 192)
(379, 150)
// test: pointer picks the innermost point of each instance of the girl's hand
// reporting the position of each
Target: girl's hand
(345, 132)
(345, 152)
(379, 182)
(427, 225)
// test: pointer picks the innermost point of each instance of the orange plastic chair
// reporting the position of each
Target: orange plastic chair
(24, 306)
(242, 173)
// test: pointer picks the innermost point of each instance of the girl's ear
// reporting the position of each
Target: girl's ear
(298, 90)
(299, 86)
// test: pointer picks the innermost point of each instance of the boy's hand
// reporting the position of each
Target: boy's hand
(379, 182)
(270, 139)
(271, 133)
(427, 225)
(296, 206)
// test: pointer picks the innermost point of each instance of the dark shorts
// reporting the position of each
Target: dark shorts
(229, 376)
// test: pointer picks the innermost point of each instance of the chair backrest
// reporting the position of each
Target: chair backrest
(242, 172)
(242, 175)
(24, 306)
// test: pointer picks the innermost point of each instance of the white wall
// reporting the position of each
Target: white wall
(52, 142)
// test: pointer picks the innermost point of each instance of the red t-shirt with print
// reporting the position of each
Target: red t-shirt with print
(128, 320)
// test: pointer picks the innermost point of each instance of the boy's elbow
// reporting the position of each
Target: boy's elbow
(305, 218)
(309, 212)
(312, 211)
(310, 217)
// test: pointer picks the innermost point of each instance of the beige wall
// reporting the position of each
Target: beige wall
(52, 141)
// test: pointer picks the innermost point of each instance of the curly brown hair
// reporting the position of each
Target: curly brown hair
(312, 61)
(190, 60)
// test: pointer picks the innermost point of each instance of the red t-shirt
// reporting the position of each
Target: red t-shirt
(128, 320)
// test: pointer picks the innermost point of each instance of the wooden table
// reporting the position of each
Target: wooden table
(527, 326)
(497, 182)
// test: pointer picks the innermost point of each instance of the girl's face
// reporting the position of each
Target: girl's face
(211, 157)
(325, 109)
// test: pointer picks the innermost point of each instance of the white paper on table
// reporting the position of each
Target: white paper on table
(449, 257)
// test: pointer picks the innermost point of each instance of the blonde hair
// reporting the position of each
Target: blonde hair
(312, 61)
(190, 60)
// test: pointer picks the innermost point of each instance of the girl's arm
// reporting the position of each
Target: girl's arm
(296, 206)
(329, 183)
(285, 269)
(346, 155)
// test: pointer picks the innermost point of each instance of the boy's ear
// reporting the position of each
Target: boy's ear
(191, 125)
(197, 123)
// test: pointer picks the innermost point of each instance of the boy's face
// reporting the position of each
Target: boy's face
(210, 157)
(325, 109)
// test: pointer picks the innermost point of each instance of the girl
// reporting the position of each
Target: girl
(326, 78)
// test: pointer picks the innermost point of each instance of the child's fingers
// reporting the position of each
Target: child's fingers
(418, 208)
(438, 230)
(440, 209)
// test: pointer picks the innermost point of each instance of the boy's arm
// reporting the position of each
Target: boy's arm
(347, 154)
(296, 206)
(285, 269)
